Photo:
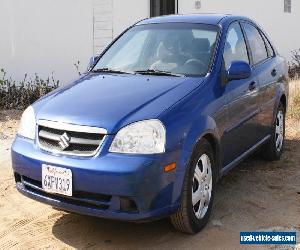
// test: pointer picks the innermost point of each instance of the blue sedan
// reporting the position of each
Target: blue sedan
(166, 110)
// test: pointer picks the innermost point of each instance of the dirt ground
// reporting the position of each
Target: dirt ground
(256, 196)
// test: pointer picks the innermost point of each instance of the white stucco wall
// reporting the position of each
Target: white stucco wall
(42, 36)
(112, 17)
(283, 28)
(126, 13)
(45, 35)
(103, 24)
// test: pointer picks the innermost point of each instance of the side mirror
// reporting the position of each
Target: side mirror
(92, 62)
(239, 70)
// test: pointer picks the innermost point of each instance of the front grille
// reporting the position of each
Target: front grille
(66, 140)
(85, 199)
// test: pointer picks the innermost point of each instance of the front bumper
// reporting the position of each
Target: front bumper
(115, 186)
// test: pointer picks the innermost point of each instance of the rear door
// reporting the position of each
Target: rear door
(264, 66)
(242, 100)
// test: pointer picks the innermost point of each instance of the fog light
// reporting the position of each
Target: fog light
(127, 205)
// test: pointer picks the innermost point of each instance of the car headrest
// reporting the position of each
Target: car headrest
(200, 45)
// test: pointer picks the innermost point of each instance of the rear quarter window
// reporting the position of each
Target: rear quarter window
(269, 47)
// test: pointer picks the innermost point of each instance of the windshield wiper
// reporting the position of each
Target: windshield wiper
(157, 72)
(108, 70)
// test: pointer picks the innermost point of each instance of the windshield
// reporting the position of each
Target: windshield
(175, 48)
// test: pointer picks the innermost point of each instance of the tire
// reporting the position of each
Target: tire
(272, 150)
(189, 219)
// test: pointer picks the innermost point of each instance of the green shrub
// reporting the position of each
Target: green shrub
(19, 95)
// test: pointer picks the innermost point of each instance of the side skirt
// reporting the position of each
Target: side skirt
(235, 162)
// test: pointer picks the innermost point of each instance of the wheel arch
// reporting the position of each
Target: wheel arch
(213, 141)
(281, 97)
(203, 128)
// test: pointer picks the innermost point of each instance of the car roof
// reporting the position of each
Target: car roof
(213, 19)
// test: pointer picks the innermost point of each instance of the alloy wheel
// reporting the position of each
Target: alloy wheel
(279, 133)
(202, 186)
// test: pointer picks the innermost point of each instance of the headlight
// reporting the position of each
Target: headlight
(27, 124)
(144, 137)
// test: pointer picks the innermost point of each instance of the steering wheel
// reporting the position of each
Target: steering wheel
(194, 63)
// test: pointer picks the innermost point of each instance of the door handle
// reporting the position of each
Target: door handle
(274, 72)
(252, 85)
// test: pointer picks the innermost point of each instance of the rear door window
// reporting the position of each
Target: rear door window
(256, 43)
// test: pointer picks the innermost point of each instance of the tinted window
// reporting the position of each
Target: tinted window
(256, 42)
(235, 46)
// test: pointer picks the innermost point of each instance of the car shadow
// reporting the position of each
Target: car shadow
(81, 231)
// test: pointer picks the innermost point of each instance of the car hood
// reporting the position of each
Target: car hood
(113, 101)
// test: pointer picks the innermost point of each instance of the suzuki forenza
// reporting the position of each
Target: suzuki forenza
(161, 115)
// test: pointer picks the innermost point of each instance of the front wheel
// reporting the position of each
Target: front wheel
(272, 150)
(198, 191)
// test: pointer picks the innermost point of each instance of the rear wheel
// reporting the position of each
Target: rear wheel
(198, 191)
(273, 149)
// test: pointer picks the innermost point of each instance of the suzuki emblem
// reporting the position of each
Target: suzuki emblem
(64, 141)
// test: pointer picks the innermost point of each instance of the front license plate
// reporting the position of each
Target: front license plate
(57, 180)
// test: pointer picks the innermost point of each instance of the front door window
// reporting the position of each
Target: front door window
(235, 46)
